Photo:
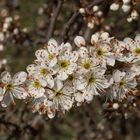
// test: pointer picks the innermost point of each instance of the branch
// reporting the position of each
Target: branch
(56, 11)
(74, 17)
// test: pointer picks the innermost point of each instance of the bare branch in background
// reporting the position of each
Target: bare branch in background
(56, 11)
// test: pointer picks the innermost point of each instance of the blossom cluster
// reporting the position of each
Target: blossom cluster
(63, 76)
(127, 6)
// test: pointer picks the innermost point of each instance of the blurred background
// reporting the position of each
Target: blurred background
(25, 26)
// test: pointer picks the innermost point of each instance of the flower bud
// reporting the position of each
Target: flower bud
(114, 7)
(94, 38)
(95, 8)
(1, 37)
(125, 7)
(115, 106)
(129, 19)
(90, 25)
(79, 41)
(104, 35)
(126, 1)
(134, 14)
(82, 10)
(1, 47)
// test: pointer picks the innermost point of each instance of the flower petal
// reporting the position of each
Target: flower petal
(19, 93)
(62, 75)
(52, 46)
(19, 78)
(6, 77)
(8, 98)
(1, 94)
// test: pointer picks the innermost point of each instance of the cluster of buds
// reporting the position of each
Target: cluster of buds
(128, 6)
(92, 17)
(63, 76)
(10, 29)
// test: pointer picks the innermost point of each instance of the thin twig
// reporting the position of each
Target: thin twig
(56, 11)
(74, 18)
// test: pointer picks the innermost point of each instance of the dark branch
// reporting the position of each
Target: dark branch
(74, 18)
(56, 11)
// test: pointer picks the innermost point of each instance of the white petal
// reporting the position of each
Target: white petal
(1, 94)
(62, 75)
(68, 47)
(81, 84)
(110, 61)
(41, 54)
(19, 78)
(53, 62)
(118, 75)
(74, 56)
(71, 68)
(79, 41)
(8, 98)
(79, 97)
(31, 69)
(58, 84)
(50, 81)
(132, 84)
(19, 93)
(51, 115)
(52, 46)
(5, 77)
(83, 52)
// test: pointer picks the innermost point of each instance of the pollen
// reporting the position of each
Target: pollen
(58, 93)
(44, 72)
(71, 77)
(64, 64)
(36, 84)
(87, 65)
(9, 87)
(100, 52)
(121, 83)
(50, 57)
(92, 79)
(137, 51)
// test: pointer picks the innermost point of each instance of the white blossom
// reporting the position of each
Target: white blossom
(61, 96)
(122, 83)
(79, 41)
(13, 87)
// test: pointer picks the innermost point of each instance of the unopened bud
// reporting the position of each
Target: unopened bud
(94, 38)
(134, 14)
(90, 25)
(114, 7)
(126, 1)
(82, 10)
(104, 35)
(129, 19)
(115, 106)
(79, 41)
(125, 7)
(95, 8)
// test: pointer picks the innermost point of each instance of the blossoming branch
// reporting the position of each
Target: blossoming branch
(63, 76)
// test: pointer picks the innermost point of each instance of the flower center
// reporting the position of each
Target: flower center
(92, 79)
(121, 83)
(50, 57)
(44, 72)
(9, 87)
(36, 84)
(87, 65)
(71, 77)
(58, 93)
(100, 52)
(64, 64)
(137, 51)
